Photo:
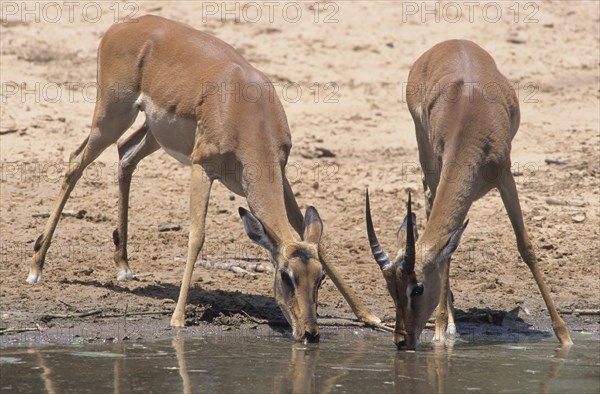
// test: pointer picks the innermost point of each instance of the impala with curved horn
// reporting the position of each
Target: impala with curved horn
(464, 138)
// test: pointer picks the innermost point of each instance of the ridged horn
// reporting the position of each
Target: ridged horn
(408, 265)
(380, 256)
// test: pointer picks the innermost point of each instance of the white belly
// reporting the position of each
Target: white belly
(175, 134)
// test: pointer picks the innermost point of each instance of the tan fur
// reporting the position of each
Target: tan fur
(466, 114)
(208, 107)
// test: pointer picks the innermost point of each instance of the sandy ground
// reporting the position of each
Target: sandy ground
(341, 70)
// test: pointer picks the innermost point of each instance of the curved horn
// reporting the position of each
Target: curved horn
(380, 256)
(408, 266)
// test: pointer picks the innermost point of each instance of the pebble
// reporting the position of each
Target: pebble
(579, 218)
(168, 227)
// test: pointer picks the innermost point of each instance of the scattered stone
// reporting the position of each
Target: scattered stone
(579, 218)
(516, 38)
(168, 227)
(324, 152)
(555, 161)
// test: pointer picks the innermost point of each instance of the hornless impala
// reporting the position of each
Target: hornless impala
(183, 79)
(466, 114)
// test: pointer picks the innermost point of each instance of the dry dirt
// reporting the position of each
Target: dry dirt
(341, 69)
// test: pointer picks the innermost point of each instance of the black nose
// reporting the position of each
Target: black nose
(311, 337)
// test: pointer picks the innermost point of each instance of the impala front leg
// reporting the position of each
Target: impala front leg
(510, 198)
(200, 193)
(360, 310)
(441, 317)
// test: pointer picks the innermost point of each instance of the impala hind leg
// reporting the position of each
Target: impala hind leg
(199, 195)
(510, 198)
(106, 129)
(139, 145)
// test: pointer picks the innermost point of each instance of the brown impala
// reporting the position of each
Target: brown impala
(466, 114)
(182, 80)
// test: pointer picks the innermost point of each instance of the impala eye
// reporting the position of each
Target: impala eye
(417, 290)
(287, 277)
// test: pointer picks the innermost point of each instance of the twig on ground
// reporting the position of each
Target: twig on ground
(553, 201)
(579, 312)
(80, 214)
(13, 330)
(135, 314)
(242, 258)
(50, 316)
(233, 266)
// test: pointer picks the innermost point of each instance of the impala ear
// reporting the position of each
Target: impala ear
(452, 243)
(257, 232)
(313, 226)
(401, 232)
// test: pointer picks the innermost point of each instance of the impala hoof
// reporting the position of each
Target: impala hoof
(451, 330)
(177, 322)
(124, 275)
(34, 277)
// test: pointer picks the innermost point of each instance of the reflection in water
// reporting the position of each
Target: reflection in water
(429, 371)
(257, 365)
(118, 368)
(422, 372)
(560, 355)
(359, 350)
(46, 370)
(179, 346)
(299, 375)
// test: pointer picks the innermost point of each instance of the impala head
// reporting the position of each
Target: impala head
(415, 291)
(298, 271)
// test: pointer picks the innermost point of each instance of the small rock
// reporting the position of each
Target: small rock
(324, 152)
(168, 227)
(555, 161)
(579, 218)
(389, 44)
(538, 218)
(516, 38)
(231, 197)
(547, 246)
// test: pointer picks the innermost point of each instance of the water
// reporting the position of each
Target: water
(342, 362)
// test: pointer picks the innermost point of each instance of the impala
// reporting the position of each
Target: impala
(182, 80)
(464, 132)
